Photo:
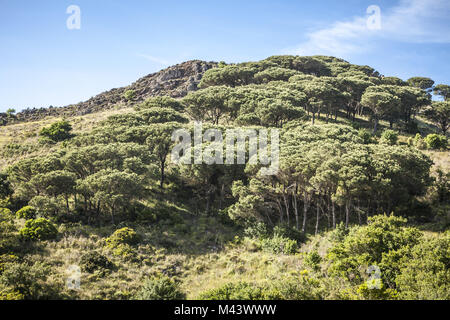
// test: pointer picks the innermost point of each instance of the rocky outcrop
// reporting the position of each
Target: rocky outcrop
(175, 81)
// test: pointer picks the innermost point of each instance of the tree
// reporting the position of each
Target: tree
(274, 74)
(439, 113)
(230, 75)
(10, 112)
(113, 189)
(58, 131)
(161, 102)
(160, 143)
(208, 104)
(380, 103)
(5, 186)
(421, 82)
(442, 90)
(161, 115)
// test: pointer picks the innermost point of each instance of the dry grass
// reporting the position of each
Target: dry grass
(27, 134)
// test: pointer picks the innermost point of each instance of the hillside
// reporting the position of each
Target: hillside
(94, 205)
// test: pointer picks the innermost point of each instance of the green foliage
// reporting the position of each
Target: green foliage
(425, 270)
(94, 261)
(389, 137)
(371, 245)
(129, 95)
(38, 229)
(58, 131)
(436, 141)
(439, 113)
(421, 82)
(123, 236)
(235, 291)
(24, 281)
(5, 186)
(279, 244)
(313, 260)
(365, 135)
(27, 212)
(162, 288)
(442, 90)
(257, 230)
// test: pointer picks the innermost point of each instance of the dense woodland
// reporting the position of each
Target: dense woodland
(357, 186)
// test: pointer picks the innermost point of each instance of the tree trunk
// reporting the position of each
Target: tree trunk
(294, 199)
(375, 125)
(317, 219)
(305, 211)
(333, 213)
(347, 213)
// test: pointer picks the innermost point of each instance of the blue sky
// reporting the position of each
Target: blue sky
(43, 63)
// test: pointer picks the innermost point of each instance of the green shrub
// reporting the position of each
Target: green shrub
(278, 244)
(5, 214)
(382, 293)
(389, 137)
(93, 261)
(5, 259)
(10, 295)
(27, 213)
(27, 281)
(313, 260)
(235, 291)
(371, 245)
(436, 141)
(123, 236)
(365, 135)
(302, 287)
(39, 229)
(424, 270)
(418, 142)
(58, 131)
(257, 231)
(162, 288)
(129, 95)
(288, 232)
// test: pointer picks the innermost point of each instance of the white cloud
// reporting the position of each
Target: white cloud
(154, 59)
(413, 21)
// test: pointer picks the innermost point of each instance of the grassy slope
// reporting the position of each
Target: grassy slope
(206, 255)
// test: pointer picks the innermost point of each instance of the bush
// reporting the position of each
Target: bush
(24, 281)
(365, 135)
(313, 260)
(39, 229)
(235, 291)
(27, 213)
(371, 245)
(257, 231)
(418, 142)
(389, 137)
(58, 131)
(162, 288)
(123, 236)
(424, 271)
(278, 244)
(5, 214)
(129, 95)
(436, 141)
(289, 233)
(93, 261)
